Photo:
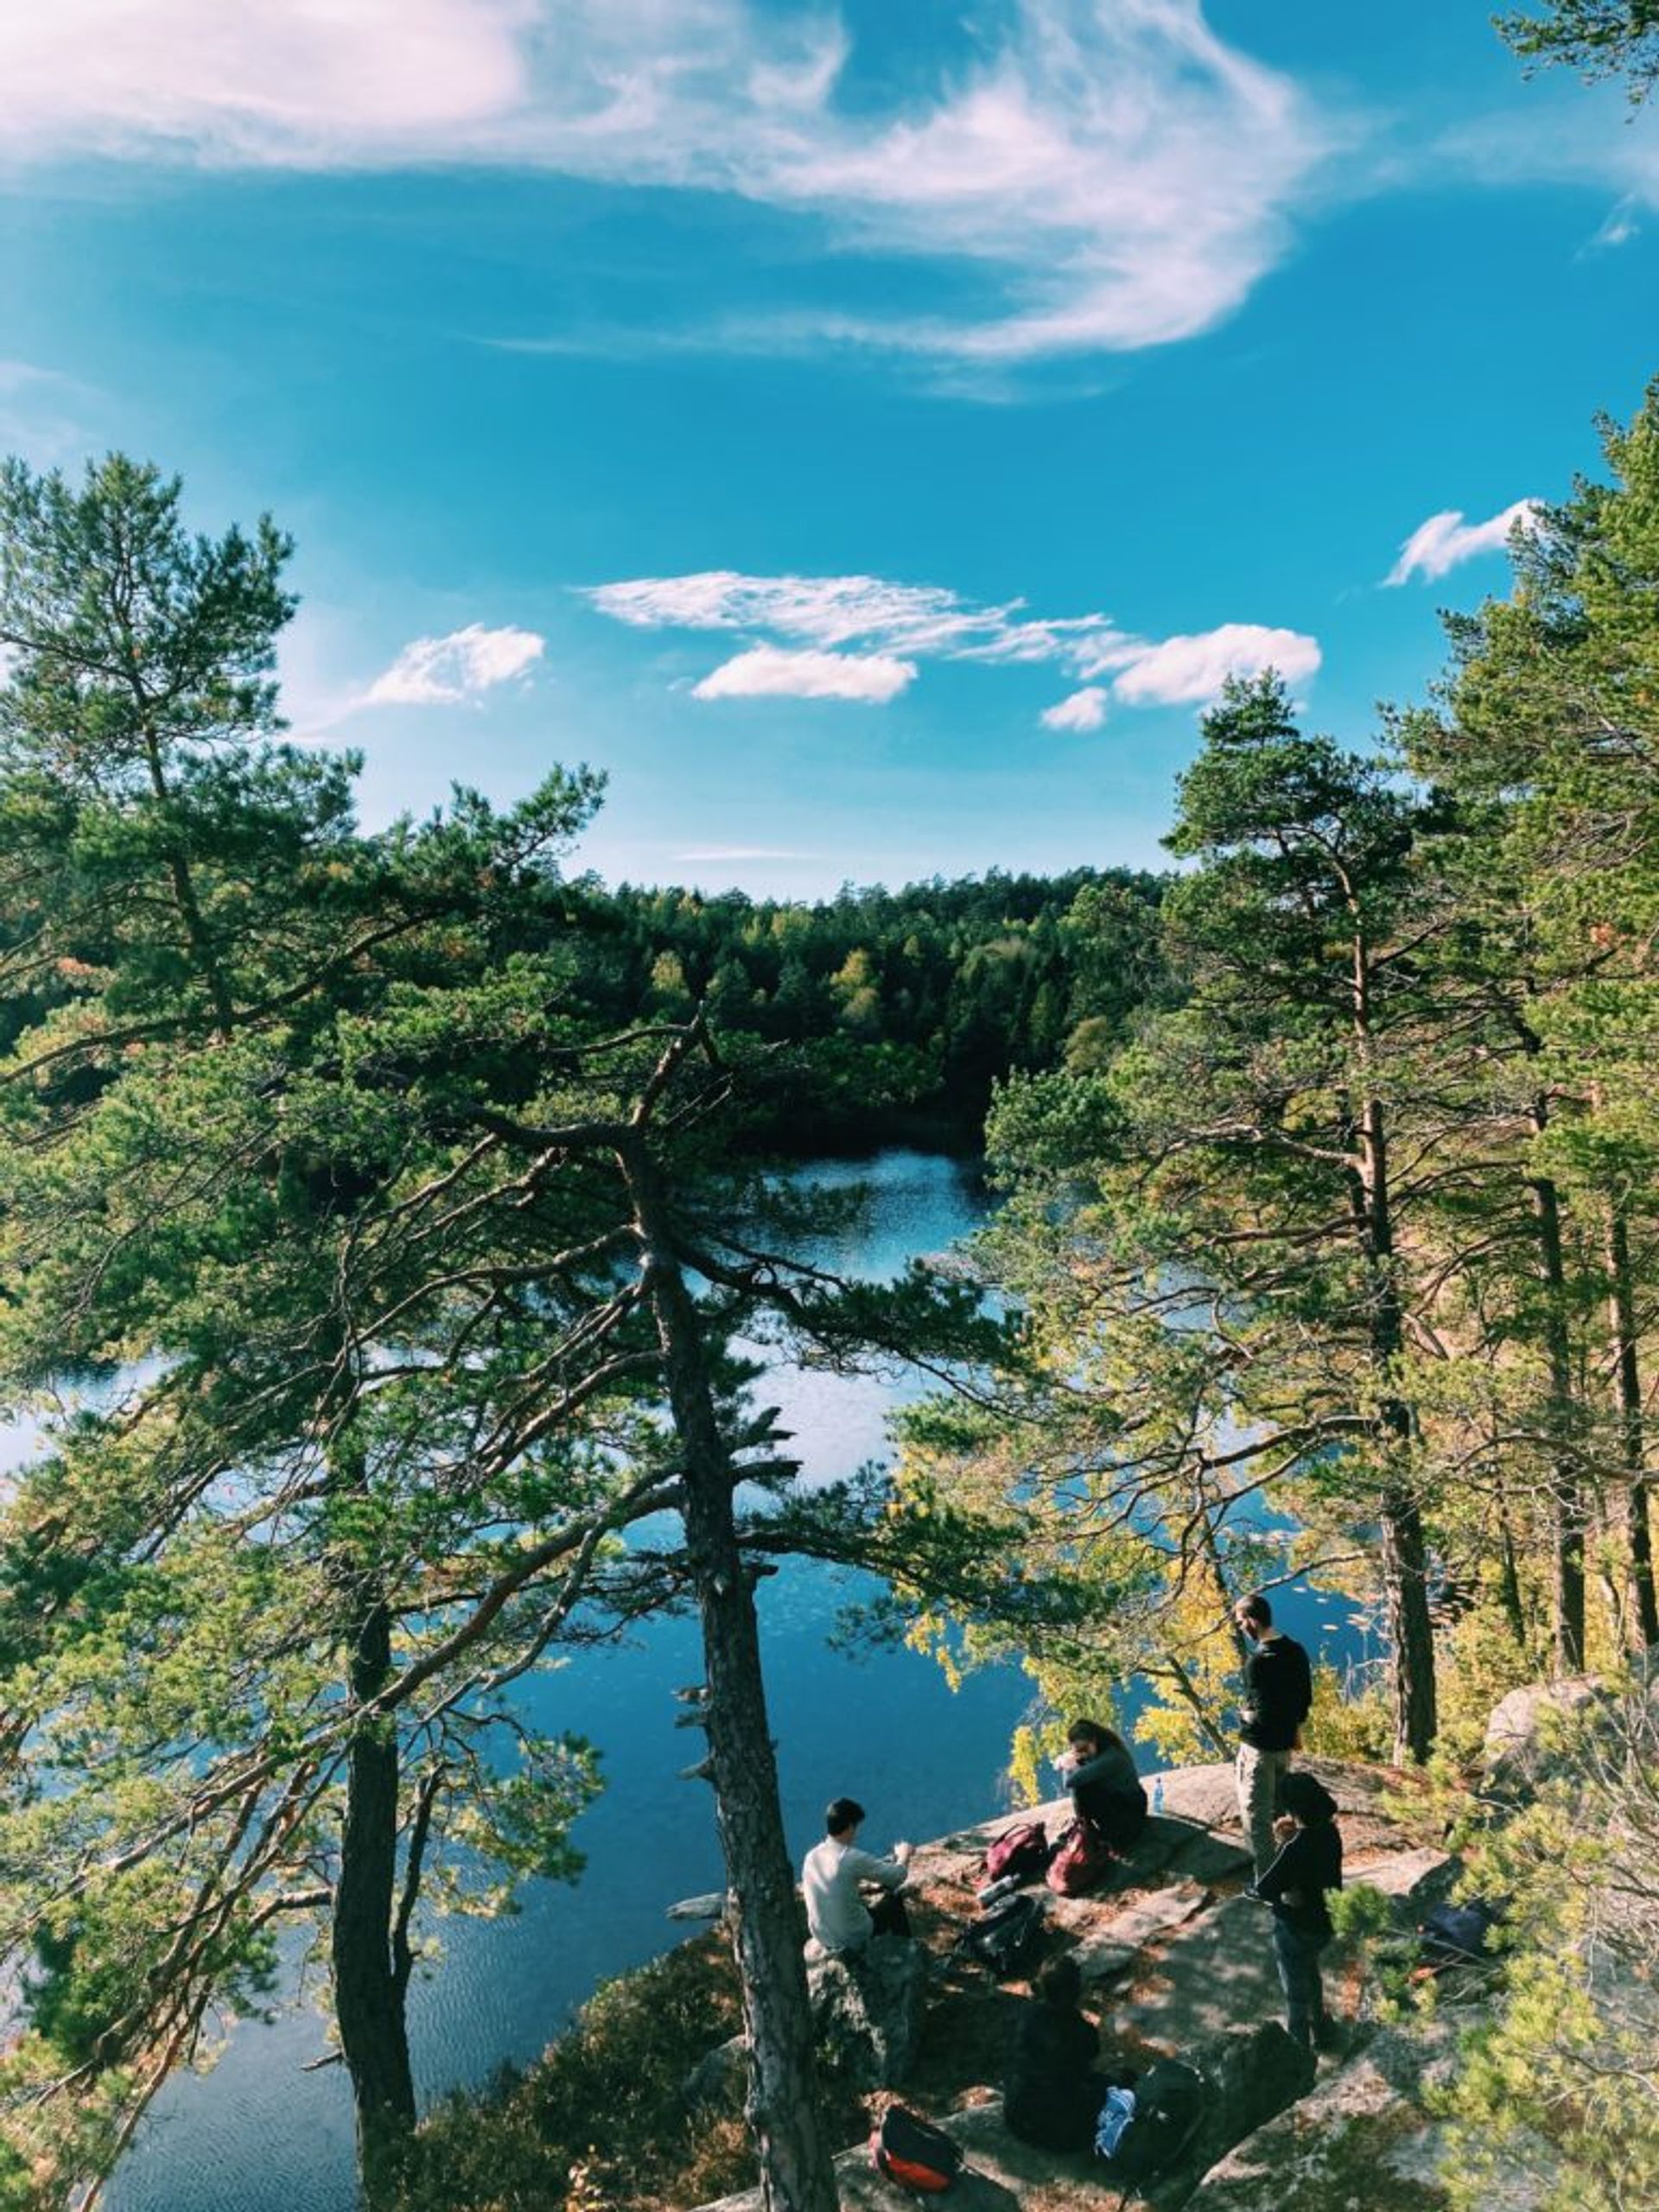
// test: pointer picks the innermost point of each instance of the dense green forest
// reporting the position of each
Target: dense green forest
(916, 1003)
(382, 1215)
(380, 1210)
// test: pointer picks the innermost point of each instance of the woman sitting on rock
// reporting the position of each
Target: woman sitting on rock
(1052, 2095)
(1106, 1791)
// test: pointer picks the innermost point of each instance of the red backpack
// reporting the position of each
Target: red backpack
(1078, 1863)
(1021, 1851)
(912, 2152)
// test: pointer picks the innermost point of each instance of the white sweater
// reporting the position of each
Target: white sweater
(830, 1875)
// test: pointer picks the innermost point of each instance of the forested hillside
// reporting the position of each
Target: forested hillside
(376, 1235)
(915, 1002)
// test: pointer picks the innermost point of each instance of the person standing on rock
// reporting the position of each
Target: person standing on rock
(1278, 1694)
(1306, 1868)
(836, 1915)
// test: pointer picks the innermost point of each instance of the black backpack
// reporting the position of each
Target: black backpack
(1456, 1935)
(1168, 2105)
(1007, 1939)
(912, 2152)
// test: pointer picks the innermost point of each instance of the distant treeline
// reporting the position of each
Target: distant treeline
(916, 1002)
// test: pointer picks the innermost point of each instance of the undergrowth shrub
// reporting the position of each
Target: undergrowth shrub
(599, 2122)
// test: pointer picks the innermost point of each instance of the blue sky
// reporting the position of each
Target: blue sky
(868, 432)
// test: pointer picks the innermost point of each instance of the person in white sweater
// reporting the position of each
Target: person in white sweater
(836, 1914)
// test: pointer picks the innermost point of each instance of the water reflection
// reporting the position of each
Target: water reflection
(261, 2134)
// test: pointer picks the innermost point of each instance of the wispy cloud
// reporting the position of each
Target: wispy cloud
(1105, 174)
(799, 623)
(767, 673)
(446, 671)
(1083, 711)
(1618, 228)
(1446, 539)
(43, 413)
(1576, 136)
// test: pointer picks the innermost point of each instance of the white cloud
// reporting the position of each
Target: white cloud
(1107, 175)
(1570, 137)
(1446, 539)
(1083, 711)
(305, 83)
(767, 673)
(1189, 672)
(831, 611)
(1618, 228)
(896, 625)
(444, 671)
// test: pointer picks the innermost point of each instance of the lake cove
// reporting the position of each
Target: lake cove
(259, 2133)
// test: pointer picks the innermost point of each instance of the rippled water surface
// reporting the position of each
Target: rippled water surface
(260, 2134)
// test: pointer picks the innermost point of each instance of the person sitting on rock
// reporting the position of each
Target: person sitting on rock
(836, 1914)
(1052, 2095)
(1106, 1793)
(1308, 1864)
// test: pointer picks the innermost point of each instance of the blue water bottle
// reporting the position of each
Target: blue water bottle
(1158, 1795)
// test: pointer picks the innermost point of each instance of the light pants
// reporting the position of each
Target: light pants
(1258, 1775)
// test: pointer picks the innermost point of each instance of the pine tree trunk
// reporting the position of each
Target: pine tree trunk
(1405, 1551)
(368, 1990)
(1642, 1611)
(1566, 1493)
(797, 2168)
(1509, 1578)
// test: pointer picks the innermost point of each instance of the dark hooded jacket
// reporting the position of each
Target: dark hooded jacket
(1309, 1866)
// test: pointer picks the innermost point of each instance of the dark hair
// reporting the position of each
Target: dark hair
(1097, 1732)
(1061, 1983)
(1257, 1608)
(1305, 1797)
(841, 1814)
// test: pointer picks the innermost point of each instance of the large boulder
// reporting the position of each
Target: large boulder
(1522, 1745)
(719, 2077)
(867, 2010)
(1250, 2076)
(1365, 2138)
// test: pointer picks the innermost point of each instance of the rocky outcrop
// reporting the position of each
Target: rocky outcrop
(867, 2008)
(1250, 2076)
(1523, 1733)
(1175, 1959)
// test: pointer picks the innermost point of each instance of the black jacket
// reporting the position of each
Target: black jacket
(1050, 2095)
(1278, 1692)
(1296, 1883)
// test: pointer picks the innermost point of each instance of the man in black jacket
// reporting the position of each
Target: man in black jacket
(1278, 1692)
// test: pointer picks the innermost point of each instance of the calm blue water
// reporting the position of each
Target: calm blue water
(259, 2134)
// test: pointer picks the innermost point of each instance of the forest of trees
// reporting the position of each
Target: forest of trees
(915, 1003)
(382, 1214)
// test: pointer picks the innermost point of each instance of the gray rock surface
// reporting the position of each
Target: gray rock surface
(1251, 2075)
(1212, 1974)
(1102, 1951)
(868, 2008)
(718, 2076)
(1519, 1745)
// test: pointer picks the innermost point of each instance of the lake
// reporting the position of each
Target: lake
(259, 2133)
